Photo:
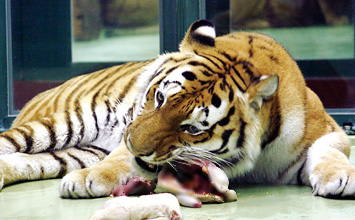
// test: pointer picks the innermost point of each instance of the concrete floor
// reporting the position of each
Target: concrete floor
(40, 200)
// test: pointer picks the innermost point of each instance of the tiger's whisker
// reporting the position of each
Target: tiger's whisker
(191, 155)
(172, 165)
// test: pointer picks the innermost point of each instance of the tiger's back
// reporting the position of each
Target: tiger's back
(101, 88)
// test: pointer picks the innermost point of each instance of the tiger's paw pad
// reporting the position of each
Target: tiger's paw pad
(338, 184)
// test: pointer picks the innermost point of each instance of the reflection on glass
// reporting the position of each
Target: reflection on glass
(53, 41)
(115, 30)
(309, 29)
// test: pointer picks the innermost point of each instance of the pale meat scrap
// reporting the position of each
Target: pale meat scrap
(162, 206)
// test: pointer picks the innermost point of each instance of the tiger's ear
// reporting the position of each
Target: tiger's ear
(262, 88)
(200, 34)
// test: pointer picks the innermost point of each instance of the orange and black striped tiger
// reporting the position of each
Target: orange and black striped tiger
(239, 101)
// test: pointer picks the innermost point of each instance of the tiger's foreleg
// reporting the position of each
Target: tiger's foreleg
(18, 167)
(99, 179)
(327, 167)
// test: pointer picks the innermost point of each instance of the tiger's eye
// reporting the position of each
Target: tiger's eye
(190, 129)
(160, 99)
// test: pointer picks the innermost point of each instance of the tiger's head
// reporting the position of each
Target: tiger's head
(209, 101)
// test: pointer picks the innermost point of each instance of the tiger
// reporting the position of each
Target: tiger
(238, 100)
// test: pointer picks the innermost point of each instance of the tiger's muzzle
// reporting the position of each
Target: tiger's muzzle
(154, 135)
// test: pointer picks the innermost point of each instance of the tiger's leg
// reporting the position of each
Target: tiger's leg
(22, 167)
(99, 179)
(327, 167)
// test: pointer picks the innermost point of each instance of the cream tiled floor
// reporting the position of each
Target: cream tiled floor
(40, 200)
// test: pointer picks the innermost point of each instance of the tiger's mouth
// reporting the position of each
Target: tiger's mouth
(192, 183)
(148, 166)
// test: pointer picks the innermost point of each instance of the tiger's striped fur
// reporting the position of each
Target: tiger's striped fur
(237, 100)
(72, 126)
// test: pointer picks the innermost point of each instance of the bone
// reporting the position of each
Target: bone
(189, 201)
(220, 181)
(156, 206)
(218, 178)
(230, 196)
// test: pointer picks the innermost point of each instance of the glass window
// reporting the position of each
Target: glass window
(319, 34)
(44, 43)
(52, 41)
(309, 29)
(115, 30)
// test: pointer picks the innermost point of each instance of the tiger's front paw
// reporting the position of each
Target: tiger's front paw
(91, 183)
(335, 181)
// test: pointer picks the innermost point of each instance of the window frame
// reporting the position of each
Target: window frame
(175, 17)
(5, 64)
